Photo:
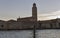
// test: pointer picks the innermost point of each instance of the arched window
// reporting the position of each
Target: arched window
(51, 25)
(40, 25)
(59, 25)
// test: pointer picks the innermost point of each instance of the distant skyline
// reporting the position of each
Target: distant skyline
(12, 9)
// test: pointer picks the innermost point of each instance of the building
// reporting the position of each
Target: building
(33, 17)
(29, 22)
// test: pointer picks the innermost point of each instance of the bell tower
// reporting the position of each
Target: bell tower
(34, 11)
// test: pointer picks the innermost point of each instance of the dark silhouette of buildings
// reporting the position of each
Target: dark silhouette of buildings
(29, 22)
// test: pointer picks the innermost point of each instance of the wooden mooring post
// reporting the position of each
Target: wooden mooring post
(34, 31)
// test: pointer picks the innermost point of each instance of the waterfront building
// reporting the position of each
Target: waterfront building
(29, 22)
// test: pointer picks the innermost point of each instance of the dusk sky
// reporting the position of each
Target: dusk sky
(12, 9)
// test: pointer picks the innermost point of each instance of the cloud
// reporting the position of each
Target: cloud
(48, 16)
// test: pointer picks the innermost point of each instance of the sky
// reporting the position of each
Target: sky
(13, 9)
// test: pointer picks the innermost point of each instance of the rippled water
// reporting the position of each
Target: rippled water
(29, 33)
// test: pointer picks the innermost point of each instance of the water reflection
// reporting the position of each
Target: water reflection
(29, 33)
(15, 34)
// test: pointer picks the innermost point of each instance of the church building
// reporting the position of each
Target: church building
(34, 15)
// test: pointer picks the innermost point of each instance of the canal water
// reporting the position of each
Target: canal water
(50, 33)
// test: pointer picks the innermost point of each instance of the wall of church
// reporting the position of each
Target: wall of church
(29, 24)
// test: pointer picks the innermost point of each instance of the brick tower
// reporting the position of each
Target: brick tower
(34, 12)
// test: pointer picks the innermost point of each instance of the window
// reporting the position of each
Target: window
(51, 25)
(2, 25)
(40, 25)
(59, 25)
